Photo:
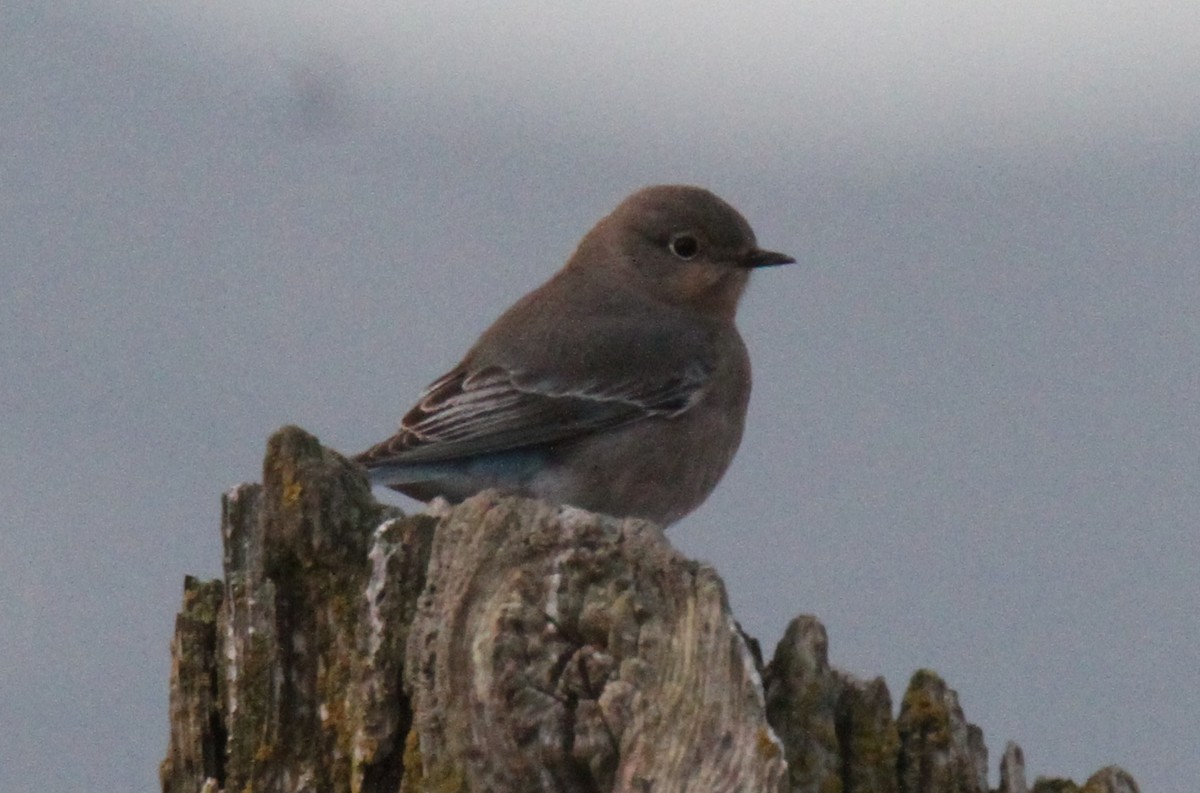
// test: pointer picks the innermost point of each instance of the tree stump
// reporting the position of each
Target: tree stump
(505, 644)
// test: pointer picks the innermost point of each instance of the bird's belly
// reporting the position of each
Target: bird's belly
(659, 469)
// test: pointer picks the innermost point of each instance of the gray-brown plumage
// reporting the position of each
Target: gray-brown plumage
(620, 385)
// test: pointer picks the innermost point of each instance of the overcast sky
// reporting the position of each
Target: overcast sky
(974, 441)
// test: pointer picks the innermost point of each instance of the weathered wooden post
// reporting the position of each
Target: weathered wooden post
(510, 645)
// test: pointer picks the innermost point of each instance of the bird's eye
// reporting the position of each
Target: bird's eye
(684, 246)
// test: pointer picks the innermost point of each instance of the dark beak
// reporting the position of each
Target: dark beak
(760, 258)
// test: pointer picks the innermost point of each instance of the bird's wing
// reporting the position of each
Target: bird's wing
(466, 413)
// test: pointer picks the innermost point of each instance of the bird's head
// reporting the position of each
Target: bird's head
(680, 245)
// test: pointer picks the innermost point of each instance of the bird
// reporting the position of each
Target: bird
(619, 386)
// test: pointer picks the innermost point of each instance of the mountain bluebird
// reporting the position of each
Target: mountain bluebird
(620, 385)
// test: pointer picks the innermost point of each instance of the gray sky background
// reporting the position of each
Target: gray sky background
(974, 442)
